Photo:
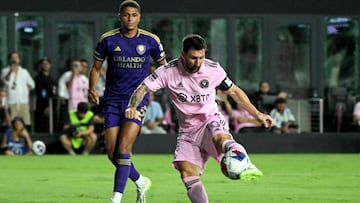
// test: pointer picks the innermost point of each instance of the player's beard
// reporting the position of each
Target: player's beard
(193, 68)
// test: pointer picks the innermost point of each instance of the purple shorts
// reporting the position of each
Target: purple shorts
(114, 113)
(198, 151)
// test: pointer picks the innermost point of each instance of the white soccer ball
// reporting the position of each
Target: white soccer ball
(39, 147)
(234, 163)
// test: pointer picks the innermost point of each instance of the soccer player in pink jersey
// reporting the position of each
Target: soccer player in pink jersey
(191, 82)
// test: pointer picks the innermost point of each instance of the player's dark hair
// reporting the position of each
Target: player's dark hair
(83, 107)
(130, 3)
(194, 41)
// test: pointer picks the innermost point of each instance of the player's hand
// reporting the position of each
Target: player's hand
(132, 113)
(93, 97)
(266, 120)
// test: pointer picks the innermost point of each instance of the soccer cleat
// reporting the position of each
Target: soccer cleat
(251, 173)
(141, 191)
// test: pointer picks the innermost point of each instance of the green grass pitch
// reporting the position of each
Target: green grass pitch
(288, 178)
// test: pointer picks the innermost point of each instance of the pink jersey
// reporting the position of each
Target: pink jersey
(193, 94)
(78, 91)
(357, 109)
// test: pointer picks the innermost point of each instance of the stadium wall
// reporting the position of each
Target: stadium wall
(266, 143)
(254, 143)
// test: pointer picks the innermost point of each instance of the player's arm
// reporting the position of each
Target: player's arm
(93, 95)
(135, 100)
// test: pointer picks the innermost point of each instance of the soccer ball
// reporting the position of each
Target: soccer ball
(39, 147)
(234, 163)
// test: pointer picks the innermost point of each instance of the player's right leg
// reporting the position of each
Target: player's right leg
(128, 133)
(111, 140)
(225, 143)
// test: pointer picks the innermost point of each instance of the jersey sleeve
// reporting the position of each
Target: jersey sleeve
(157, 80)
(100, 52)
(225, 84)
(223, 80)
(157, 51)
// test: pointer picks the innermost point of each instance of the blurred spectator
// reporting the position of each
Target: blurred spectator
(16, 140)
(100, 83)
(154, 118)
(45, 90)
(171, 123)
(356, 116)
(62, 106)
(79, 135)
(18, 83)
(84, 70)
(5, 118)
(243, 121)
(224, 105)
(77, 85)
(284, 120)
(264, 99)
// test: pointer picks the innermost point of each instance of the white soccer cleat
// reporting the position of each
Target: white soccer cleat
(251, 173)
(141, 191)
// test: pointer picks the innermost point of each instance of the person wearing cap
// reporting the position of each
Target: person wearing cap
(128, 51)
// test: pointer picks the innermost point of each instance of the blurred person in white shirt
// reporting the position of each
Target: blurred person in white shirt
(18, 83)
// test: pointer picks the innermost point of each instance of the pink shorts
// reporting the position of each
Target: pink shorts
(199, 151)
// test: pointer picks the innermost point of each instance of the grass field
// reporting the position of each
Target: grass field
(295, 178)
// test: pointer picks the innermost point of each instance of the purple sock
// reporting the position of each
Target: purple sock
(122, 172)
(134, 174)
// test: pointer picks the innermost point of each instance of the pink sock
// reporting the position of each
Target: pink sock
(231, 144)
(195, 190)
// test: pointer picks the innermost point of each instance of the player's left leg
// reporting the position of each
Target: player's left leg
(190, 174)
(190, 160)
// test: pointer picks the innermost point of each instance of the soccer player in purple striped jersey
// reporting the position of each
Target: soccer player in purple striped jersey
(191, 82)
(128, 51)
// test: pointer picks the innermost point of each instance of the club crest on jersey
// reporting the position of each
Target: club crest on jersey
(204, 83)
(140, 49)
(182, 97)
